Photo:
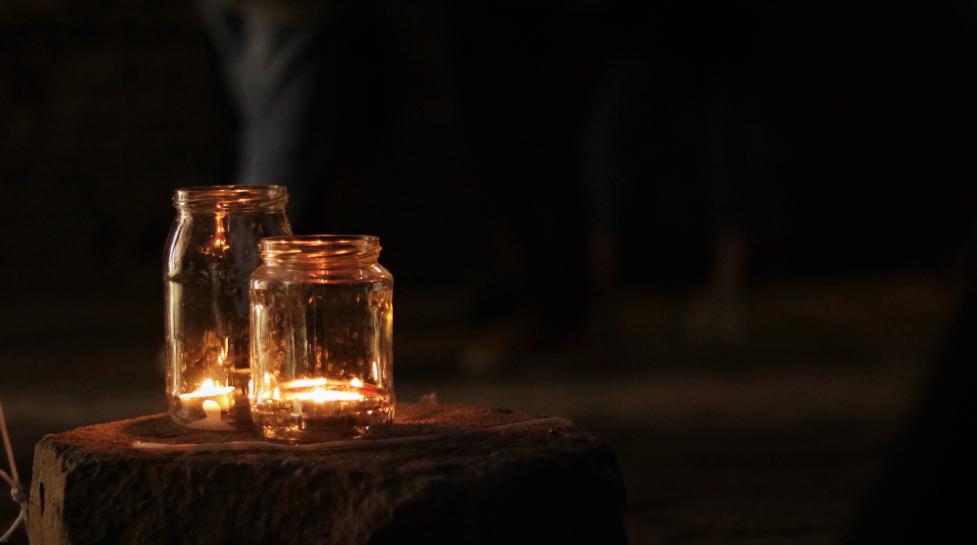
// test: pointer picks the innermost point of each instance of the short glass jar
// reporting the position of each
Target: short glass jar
(322, 338)
(211, 251)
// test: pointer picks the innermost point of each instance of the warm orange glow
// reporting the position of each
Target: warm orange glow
(317, 390)
(213, 411)
(320, 395)
(219, 240)
(222, 356)
(208, 388)
(210, 391)
(213, 400)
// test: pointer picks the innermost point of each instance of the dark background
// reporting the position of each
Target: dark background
(860, 134)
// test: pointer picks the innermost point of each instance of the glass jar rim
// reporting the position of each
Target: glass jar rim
(319, 249)
(206, 198)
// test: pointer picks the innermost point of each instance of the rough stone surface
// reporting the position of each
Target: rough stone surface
(548, 484)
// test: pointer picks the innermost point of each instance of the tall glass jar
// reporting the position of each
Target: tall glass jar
(322, 338)
(211, 251)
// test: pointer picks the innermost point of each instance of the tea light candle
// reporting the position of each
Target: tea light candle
(212, 419)
(214, 400)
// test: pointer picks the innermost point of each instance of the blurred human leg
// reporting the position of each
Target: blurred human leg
(280, 75)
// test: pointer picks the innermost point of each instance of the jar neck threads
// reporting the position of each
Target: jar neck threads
(231, 198)
(320, 251)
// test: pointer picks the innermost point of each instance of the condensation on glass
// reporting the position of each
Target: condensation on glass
(322, 338)
(211, 251)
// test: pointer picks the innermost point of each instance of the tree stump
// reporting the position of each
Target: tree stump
(466, 480)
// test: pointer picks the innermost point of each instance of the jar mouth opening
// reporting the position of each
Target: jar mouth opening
(215, 198)
(311, 249)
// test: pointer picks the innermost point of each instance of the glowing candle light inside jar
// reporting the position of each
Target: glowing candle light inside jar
(319, 390)
(322, 352)
(213, 400)
(319, 403)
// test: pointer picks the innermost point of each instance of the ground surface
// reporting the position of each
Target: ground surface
(771, 440)
(441, 473)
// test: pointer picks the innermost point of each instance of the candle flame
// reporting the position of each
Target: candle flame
(320, 395)
(318, 390)
(208, 388)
